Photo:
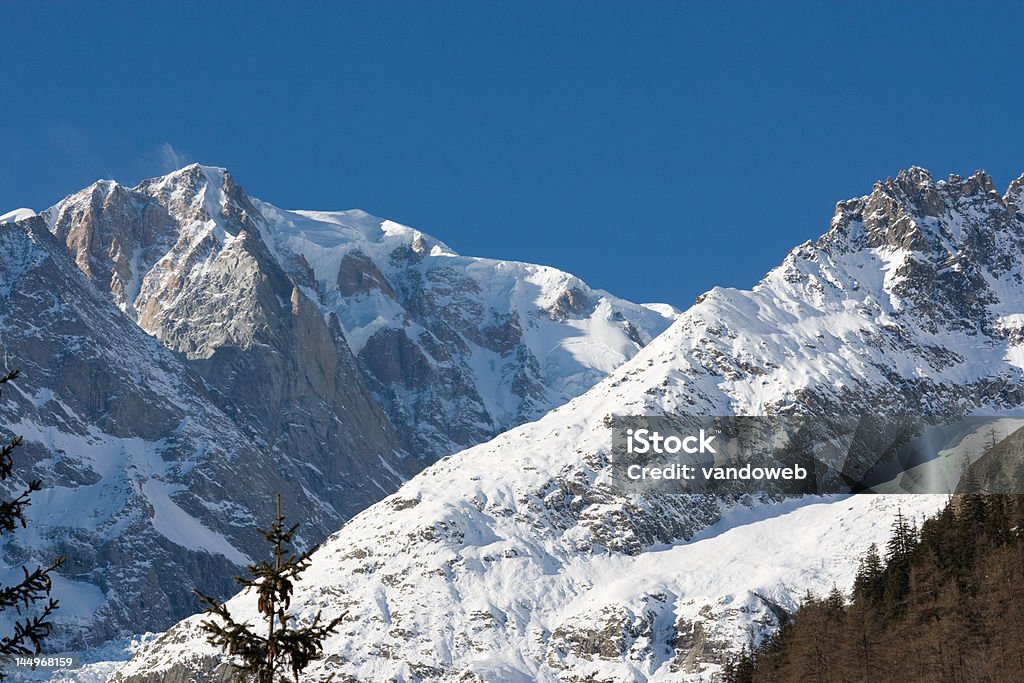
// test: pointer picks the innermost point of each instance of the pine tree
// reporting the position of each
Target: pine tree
(285, 645)
(29, 631)
(836, 601)
(899, 555)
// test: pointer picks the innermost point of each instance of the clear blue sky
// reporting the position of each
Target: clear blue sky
(653, 148)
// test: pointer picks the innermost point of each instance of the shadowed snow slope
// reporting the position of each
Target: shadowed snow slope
(519, 559)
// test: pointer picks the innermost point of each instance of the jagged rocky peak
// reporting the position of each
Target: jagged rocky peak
(178, 256)
(915, 212)
(1015, 197)
(201, 193)
(184, 256)
(944, 243)
(108, 229)
(118, 234)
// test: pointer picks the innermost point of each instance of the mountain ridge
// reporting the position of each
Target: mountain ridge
(445, 321)
(493, 563)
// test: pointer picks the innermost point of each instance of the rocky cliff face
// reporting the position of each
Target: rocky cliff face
(520, 559)
(152, 487)
(182, 257)
(183, 361)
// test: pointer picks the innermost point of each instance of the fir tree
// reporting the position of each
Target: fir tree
(29, 631)
(283, 644)
(836, 601)
(899, 554)
(870, 582)
(902, 542)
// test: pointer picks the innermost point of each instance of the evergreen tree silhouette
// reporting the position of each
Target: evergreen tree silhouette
(35, 586)
(281, 645)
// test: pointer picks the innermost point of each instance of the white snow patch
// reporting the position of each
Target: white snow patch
(17, 215)
(182, 528)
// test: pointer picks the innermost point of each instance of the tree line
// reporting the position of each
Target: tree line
(940, 603)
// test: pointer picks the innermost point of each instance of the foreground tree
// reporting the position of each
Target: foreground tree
(280, 645)
(35, 586)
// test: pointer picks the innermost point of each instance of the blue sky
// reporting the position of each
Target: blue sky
(656, 149)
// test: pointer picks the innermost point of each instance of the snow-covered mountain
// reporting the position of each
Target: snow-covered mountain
(17, 215)
(455, 349)
(520, 560)
(183, 361)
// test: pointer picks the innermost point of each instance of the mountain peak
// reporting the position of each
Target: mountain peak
(213, 174)
(200, 193)
(915, 174)
(915, 183)
(1014, 197)
(914, 211)
(193, 176)
(17, 215)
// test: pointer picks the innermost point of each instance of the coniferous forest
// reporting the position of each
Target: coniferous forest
(942, 604)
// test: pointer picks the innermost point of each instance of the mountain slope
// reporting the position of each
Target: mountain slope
(515, 560)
